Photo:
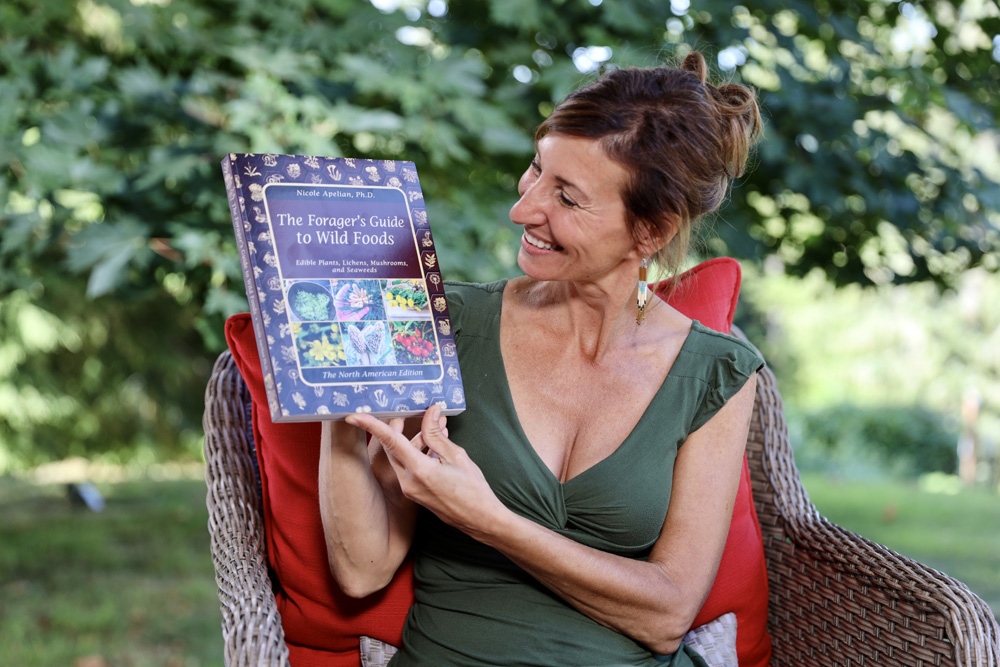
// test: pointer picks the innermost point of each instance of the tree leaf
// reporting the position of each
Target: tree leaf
(106, 250)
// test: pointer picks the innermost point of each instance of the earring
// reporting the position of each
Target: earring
(642, 291)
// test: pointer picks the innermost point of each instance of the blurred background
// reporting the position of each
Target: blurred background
(868, 229)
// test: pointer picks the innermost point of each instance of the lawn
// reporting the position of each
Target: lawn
(133, 585)
(958, 534)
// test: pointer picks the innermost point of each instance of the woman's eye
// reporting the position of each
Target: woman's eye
(534, 171)
(566, 201)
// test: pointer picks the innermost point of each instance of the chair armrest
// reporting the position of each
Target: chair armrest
(867, 602)
(837, 598)
(251, 624)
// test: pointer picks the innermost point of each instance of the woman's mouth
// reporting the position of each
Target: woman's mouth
(538, 243)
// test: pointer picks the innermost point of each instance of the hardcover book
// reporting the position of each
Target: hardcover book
(344, 285)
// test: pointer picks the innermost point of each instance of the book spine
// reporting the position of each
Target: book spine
(241, 226)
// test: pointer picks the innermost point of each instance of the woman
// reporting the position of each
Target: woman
(576, 512)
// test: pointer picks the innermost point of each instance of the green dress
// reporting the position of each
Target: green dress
(474, 606)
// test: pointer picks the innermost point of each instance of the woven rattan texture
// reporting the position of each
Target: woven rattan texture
(715, 641)
(836, 598)
(375, 653)
(839, 599)
(251, 625)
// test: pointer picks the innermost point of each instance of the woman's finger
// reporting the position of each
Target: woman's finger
(397, 424)
(390, 435)
(434, 432)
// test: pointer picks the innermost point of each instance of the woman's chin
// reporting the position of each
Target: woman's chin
(533, 266)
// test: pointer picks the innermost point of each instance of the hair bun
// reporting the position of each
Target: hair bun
(695, 63)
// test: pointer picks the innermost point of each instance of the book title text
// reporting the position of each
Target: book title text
(358, 229)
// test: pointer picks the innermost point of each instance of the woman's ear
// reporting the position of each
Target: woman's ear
(653, 239)
(652, 245)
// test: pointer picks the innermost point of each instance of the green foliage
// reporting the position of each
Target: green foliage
(878, 181)
(96, 381)
(906, 440)
(909, 345)
(879, 166)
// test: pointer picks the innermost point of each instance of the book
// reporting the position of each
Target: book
(344, 285)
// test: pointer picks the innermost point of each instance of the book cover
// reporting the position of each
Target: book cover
(344, 285)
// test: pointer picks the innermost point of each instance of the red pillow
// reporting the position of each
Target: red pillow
(322, 625)
(708, 293)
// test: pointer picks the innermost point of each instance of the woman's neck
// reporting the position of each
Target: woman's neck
(597, 318)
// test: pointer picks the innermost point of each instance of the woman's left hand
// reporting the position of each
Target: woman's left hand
(438, 474)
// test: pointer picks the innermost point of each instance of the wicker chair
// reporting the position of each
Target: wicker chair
(835, 597)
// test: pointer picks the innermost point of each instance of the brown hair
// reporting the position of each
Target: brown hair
(681, 140)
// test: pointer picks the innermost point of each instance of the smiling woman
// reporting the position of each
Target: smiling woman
(582, 501)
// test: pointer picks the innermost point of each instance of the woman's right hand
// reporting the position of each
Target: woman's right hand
(438, 474)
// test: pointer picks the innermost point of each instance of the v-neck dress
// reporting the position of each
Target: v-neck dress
(473, 606)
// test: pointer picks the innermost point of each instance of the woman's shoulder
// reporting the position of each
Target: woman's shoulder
(717, 340)
(463, 289)
(473, 295)
(720, 364)
(465, 298)
(714, 351)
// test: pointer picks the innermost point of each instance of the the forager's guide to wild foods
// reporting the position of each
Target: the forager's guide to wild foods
(345, 289)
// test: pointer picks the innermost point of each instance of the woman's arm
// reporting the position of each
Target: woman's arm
(367, 522)
(652, 601)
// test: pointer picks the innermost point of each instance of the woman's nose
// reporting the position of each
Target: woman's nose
(526, 210)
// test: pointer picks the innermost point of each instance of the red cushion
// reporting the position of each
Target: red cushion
(315, 614)
(708, 293)
(322, 625)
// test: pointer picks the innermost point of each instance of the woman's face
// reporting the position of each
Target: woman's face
(572, 212)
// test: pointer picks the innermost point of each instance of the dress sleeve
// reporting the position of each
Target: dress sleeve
(456, 302)
(733, 363)
(473, 306)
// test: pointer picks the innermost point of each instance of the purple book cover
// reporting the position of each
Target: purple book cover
(344, 286)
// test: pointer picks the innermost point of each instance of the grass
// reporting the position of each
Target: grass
(956, 533)
(131, 586)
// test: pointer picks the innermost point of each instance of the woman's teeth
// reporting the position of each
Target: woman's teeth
(538, 243)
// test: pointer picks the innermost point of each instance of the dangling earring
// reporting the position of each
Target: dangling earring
(642, 291)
